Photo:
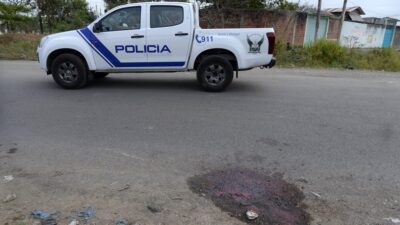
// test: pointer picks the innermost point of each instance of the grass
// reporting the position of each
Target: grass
(328, 54)
(322, 54)
(19, 46)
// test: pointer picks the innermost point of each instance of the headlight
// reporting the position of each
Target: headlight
(42, 41)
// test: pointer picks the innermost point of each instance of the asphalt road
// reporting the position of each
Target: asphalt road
(333, 133)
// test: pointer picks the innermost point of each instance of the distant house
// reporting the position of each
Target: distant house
(396, 40)
(297, 28)
(328, 26)
(352, 13)
(365, 32)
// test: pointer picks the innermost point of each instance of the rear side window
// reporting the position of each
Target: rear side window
(165, 16)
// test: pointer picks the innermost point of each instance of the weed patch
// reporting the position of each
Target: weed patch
(19, 46)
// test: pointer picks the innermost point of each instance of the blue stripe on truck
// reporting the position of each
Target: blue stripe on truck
(102, 50)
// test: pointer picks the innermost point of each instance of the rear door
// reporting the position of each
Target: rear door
(169, 35)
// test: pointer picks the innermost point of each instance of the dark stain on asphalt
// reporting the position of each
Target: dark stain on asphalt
(239, 190)
(268, 141)
(12, 150)
(387, 133)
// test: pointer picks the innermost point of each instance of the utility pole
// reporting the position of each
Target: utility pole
(318, 19)
(342, 20)
(39, 10)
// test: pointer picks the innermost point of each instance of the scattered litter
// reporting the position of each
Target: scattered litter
(8, 178)
(45, 217)
(127, 186)
(393, 220)
(316, 194)
(251, 215)
(10, 198)
(51, 220)
(74, 222)
(121, 222)
(39, 214)
(87, 213)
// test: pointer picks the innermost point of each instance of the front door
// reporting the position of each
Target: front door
(169, 35)
(120, 40)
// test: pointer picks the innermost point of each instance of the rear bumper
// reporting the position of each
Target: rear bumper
(271, 64)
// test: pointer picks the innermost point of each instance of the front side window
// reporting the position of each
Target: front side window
(165, 16)
(123, 19)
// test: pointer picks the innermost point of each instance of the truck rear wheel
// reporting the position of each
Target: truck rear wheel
(214, 73)
(69, 71)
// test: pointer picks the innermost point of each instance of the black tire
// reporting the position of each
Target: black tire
(215, 73)
(69, 71)
(99, 75)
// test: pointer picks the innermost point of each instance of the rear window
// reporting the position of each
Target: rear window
(165, 16)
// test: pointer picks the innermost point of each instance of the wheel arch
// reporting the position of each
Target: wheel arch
(230, 56)
(54, 54)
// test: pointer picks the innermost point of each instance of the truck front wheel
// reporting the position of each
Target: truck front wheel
(214, 73)
(69, 71)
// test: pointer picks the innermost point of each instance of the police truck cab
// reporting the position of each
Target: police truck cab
(154, 37)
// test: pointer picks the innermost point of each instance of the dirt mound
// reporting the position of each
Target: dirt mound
(238, 190)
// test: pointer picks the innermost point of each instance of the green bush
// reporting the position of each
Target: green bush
(325, 53)
(387, 59)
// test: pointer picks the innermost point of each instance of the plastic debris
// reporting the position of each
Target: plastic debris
(51, 220)
(251, 215)
(316, 194)
(39, 214)
(121, 222)
(87, 213)
(10, 198)
(45, 217)
(8, 178)
(127, 186)
(74, 222)
(393, 220)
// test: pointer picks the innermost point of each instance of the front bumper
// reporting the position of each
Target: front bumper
(42, 61)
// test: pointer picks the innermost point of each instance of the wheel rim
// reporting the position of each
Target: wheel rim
(215, 75)
(68, 72)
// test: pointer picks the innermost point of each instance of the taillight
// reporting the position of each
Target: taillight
(271, 42)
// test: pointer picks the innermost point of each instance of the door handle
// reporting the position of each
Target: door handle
(137, 36)
(181, 34)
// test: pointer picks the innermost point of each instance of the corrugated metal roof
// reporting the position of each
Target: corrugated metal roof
(350, 9)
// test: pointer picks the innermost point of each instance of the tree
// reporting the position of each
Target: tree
(61, 15)
(113, 3)
(74, 14)
(282, 4)
(13, 12)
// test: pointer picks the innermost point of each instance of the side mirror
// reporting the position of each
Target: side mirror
(97, 28)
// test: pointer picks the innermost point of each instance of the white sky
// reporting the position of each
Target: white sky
(372, 8)
(99, 3)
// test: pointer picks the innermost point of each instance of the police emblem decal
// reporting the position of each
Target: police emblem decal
(255, 41)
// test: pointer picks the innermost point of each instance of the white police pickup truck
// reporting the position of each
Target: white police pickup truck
(154, 37)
